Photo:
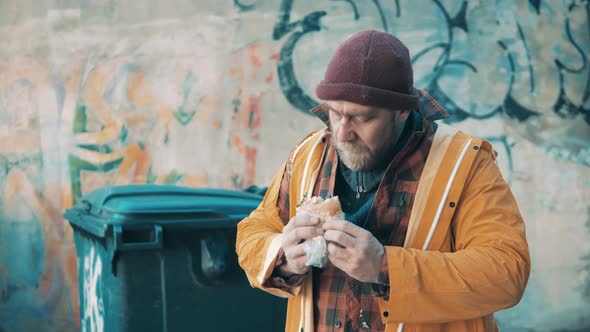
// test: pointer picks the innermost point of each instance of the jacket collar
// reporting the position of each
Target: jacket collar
(430, 109)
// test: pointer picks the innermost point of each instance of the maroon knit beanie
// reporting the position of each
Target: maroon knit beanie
(371, 68)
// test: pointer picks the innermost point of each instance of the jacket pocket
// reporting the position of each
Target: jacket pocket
(401, 201)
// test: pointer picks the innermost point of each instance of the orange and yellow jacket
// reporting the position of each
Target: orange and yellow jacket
(465, 254)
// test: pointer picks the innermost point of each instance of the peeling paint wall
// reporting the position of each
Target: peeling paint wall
(211, 93)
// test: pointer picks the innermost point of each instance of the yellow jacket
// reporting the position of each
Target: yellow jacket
(465, 254)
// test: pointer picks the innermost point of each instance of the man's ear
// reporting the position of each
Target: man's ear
(403, 115)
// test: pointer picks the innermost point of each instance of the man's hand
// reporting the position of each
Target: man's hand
(354, 250)
(299, 229)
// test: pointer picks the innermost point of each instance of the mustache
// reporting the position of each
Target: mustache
(356, 147)
(354, 155)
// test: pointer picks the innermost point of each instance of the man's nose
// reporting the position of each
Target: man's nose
(345, 133)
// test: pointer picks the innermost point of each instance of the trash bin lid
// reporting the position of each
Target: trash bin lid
(164, 204)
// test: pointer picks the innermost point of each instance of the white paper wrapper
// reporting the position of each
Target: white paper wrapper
(316, 251)
(316, 248)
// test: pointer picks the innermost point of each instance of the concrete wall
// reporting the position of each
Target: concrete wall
(210, 93)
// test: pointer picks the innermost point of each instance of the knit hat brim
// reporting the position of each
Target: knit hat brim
(367, 95)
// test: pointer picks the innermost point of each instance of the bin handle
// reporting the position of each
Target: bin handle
(121, 245)
(172, 190)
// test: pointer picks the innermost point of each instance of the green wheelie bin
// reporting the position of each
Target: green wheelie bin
(162, 258)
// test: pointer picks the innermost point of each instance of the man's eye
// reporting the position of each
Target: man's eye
(363, 119)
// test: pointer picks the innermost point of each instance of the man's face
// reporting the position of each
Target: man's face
(363, 134)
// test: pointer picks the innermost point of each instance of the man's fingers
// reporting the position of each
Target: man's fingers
(336, 251)
(295, 252)
(301, 220)
(346, 227)
(296, 259)
(341, 238)
(300, 234)
(297, 265)
(338, 256)
(304, 219)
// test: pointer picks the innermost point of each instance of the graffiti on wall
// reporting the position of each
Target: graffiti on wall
(100, 120)
(163, 110)
(449, 61)
(292, 32)
(37, 267)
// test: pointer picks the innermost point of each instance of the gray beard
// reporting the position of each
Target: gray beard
(356, 157)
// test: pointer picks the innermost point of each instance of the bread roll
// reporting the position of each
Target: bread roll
(323, 209)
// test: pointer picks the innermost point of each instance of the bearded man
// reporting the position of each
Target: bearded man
(431, 238)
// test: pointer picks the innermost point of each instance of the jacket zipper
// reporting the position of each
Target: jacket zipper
(359, 186)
